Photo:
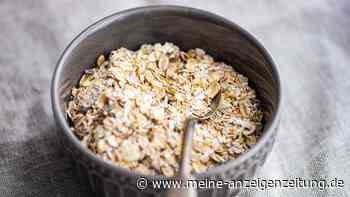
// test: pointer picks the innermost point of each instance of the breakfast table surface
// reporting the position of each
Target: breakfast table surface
(310, 41)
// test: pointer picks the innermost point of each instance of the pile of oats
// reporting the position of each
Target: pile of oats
(130, 109)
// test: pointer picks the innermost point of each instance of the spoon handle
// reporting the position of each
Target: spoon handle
(186, 151)
(185, 162)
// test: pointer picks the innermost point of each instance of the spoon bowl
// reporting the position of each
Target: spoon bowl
(213, 107)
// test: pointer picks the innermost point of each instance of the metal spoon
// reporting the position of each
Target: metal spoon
(186, 152)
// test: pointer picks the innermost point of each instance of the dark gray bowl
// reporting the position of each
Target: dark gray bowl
(188, 28)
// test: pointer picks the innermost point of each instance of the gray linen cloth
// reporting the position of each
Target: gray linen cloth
(310, 42)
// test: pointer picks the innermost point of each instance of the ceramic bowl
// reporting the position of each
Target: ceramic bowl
(188, 28)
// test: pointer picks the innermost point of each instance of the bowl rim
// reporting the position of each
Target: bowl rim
(192, 12)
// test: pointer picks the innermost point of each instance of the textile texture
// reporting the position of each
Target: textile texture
(310, 41)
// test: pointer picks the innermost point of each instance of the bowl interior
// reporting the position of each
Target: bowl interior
(186, 28)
